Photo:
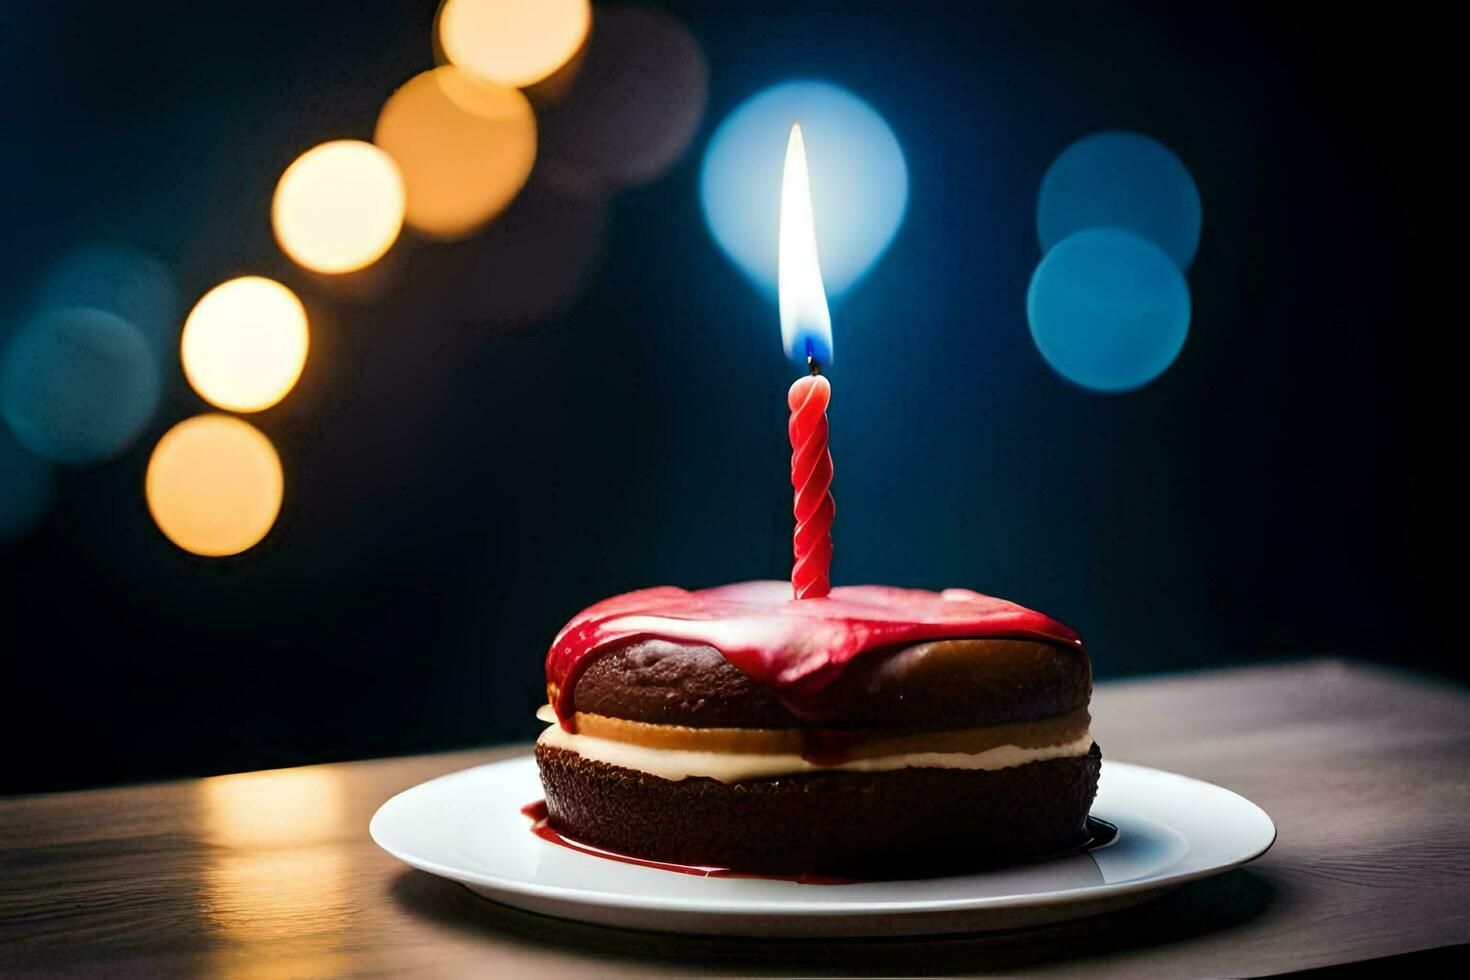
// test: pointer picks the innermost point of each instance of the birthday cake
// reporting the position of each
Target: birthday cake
(870, 731)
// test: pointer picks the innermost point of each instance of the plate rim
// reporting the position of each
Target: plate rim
(722, 907)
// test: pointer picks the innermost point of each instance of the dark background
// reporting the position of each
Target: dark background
(463, 476)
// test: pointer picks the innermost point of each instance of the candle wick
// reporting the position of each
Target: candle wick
(813, 365)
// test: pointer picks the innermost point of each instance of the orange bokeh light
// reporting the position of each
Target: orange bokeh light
(214, 485)
(465, 149)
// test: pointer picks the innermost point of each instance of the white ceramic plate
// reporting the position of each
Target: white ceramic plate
(468, 827)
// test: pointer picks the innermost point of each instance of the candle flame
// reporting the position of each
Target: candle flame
(806, 323)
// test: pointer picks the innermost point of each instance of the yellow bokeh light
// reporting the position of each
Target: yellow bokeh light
(512, 42)
(214, 485)
(244, 344)
(465, 148)
(339, 206)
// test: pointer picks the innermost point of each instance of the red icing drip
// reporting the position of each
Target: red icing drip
(543, 829)
(797, 648)
(811, 479)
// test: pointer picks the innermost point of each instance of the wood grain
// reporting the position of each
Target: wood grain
(273, 873)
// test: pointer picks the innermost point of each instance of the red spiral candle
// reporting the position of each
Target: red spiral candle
(811, 478)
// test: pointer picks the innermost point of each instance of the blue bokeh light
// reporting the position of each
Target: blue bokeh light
(1121, 180)
(859, 181)
(27, 486)
(120, 278)
(1109, 309)
(78, 386)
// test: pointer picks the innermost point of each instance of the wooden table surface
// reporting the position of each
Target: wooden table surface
(272, 873)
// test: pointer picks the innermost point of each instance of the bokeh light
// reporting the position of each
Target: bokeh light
(214, 485)
(27, 487)
(244, 344)
(1121, 180)
(512, 42)
(1109, 309)
(339, 206)
(465, 148)
(78, 386)
(122, 279)
(637, 101)
(859, 180)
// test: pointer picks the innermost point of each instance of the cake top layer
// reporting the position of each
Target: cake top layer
(797, 648)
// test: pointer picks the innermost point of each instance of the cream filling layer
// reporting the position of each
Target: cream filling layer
(733, 767)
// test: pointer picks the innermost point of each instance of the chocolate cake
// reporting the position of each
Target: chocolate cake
(872, 732)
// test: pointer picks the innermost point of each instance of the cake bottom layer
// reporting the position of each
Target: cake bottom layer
(902, 822)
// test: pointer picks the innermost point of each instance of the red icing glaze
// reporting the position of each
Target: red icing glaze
(797, 648)
(541, 827)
